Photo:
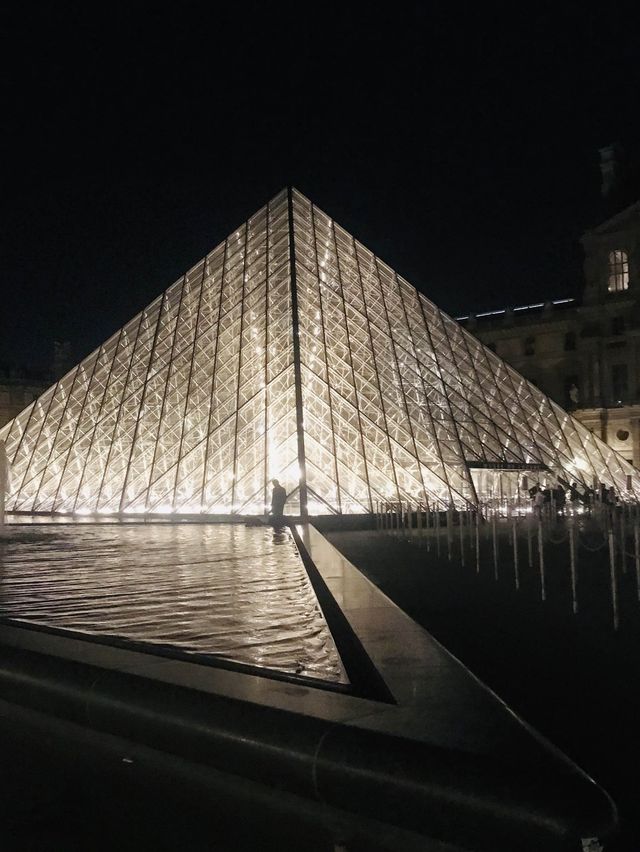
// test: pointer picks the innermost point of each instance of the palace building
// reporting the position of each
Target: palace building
(585, 352)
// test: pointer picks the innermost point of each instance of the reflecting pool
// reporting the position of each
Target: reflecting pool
(218, 589)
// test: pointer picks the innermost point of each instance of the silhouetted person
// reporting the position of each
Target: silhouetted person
(278, 499)
(538, 502)
(560, 498)
(533, 492)
(589, 498)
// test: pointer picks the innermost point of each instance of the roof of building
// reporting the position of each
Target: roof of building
(619, 222)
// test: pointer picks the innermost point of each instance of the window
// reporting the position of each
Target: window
(617, 325)
(529, 346)
(591, 329)
(618, 271)
(619, 382)
(570, 341)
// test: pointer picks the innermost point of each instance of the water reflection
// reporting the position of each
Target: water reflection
(238, 592)
(280, 535)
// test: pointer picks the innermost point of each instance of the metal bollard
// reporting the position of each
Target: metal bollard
(516, 570)
(574, 576)
(636, 548)
(477, 541)
(614, 584)
(543, 585)
(427, 525)
(471, 525)
(495, 545)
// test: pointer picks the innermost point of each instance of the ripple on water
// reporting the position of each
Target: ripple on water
(222, 590)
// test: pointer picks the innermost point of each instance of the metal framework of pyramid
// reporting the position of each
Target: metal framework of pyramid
(290, 351)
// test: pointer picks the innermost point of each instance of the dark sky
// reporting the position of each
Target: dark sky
(459, 145)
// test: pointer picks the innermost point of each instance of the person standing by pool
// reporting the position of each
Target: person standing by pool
(4, 480)
(278, 499)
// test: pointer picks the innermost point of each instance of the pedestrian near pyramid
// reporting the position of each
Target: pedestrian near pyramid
(278, 499)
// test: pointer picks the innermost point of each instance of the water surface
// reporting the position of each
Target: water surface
(218, 589)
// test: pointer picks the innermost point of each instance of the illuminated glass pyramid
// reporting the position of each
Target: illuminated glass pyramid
(292, 352)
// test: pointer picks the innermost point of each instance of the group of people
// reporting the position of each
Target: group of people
(543, 498)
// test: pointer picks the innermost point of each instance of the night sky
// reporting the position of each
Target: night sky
(460, 146)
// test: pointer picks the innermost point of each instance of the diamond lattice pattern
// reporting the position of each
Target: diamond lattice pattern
(191, 407)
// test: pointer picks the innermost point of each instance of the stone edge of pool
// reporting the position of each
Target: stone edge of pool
(433, 755)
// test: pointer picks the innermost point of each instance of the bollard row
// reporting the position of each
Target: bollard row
(605, 536)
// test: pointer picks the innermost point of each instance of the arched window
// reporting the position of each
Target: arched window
(618, 271)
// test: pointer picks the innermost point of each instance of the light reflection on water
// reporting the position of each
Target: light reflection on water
(226, 590)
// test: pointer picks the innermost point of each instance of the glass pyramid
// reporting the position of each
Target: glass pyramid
(290, 351)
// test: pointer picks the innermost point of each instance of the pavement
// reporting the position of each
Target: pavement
(573, 678)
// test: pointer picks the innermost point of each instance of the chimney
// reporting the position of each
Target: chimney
(611, 169)
(61, 358)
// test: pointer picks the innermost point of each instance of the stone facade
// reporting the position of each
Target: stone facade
(18, 389)
(585, 353)
(20, 386)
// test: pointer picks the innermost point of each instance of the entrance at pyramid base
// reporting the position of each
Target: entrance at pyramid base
(501, 482)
